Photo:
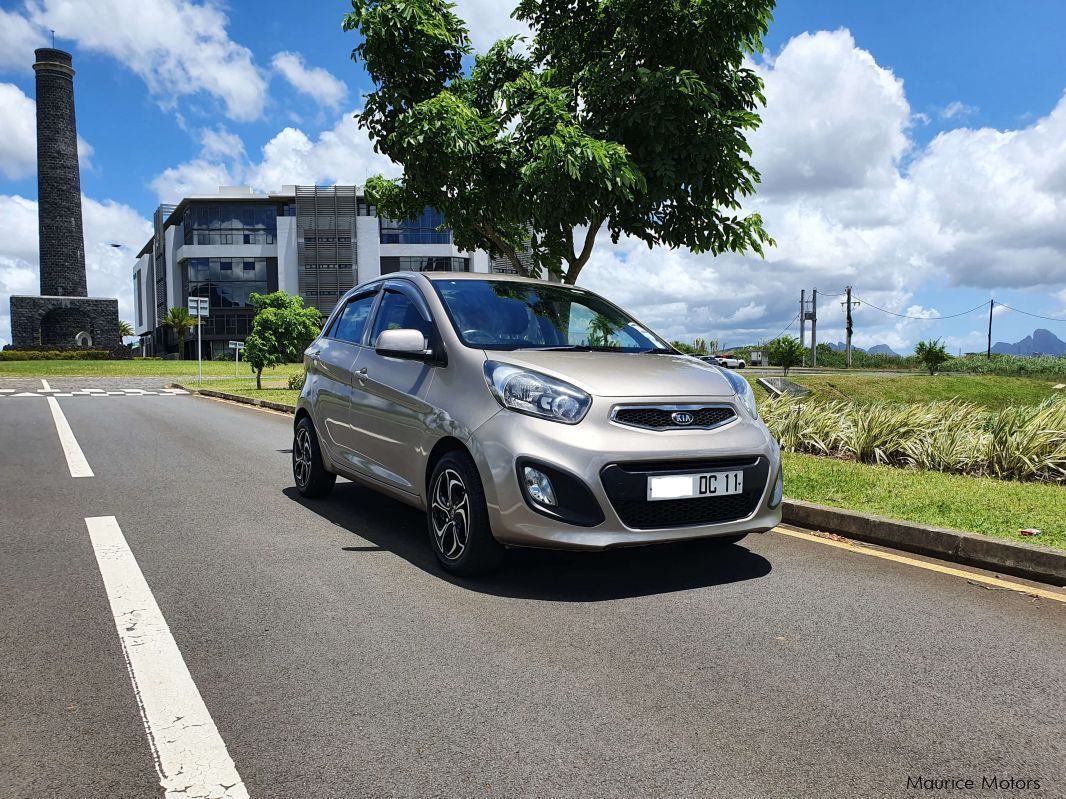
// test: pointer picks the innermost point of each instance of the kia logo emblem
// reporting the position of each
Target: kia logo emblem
(683, 418)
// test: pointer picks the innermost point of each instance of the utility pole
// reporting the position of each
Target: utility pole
(803, 317)
(847, 345)
(991, 305)
(814, 328)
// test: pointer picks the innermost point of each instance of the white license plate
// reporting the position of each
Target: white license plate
(682, 486)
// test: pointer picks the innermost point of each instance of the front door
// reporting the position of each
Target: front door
(389, 412)
(332, 366)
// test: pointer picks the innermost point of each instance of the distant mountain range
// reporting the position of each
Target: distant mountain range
(876, 349)
(1042, 342)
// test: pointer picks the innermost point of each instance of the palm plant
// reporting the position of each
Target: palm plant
(181, 322)
(125, 329)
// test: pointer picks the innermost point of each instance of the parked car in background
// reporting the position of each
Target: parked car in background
(518, 412)
(725, 361)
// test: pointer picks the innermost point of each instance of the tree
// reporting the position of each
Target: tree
(181, 322)
(125, 329)
(699, 346)
(931, 354)
(786, 352)
(621, 115)
(281, 330)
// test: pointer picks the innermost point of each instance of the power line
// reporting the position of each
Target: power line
(906, 316)
(1035, 315)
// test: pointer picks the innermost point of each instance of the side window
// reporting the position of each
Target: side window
(352, 321)
(397, 311)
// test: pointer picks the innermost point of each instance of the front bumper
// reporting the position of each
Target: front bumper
(598, 452)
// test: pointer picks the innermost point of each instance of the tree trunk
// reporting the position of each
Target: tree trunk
(259, 379)
(577, 261)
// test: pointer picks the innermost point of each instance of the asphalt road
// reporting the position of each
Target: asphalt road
(336, 660)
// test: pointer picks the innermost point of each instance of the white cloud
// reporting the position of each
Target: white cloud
(108, 268)
(320, 84)
(18, 39)
(341, 154)
(489, 20)
(221, 143)
(977, 208)
(18, 132)
(177, 47)
(957, 109)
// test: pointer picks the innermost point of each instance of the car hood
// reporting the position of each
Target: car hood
(624, 374)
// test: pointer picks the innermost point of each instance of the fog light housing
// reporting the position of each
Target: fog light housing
(779, 489)
(539, 486)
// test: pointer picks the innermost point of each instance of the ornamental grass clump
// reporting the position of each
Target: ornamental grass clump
(1019, 443)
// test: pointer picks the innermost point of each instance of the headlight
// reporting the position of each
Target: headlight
(530, 392)
(743, 389)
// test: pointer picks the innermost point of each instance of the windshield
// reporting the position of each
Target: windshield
(507, 315)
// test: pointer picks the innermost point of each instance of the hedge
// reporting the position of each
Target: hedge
(54, 355)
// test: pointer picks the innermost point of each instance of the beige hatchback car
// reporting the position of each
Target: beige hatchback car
(524, 413)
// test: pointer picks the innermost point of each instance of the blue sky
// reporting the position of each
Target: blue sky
(909, 149)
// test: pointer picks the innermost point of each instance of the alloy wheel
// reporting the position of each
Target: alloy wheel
(301, 458)
(450, 514)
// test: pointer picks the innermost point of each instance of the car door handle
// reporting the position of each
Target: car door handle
(361, 374)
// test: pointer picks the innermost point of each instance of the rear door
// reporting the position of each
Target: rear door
(333, 364)
(389, 408)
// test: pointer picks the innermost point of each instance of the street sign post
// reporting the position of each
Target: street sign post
(236, 346)
(199, 308)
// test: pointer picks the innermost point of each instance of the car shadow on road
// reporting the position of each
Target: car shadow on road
(547, 575)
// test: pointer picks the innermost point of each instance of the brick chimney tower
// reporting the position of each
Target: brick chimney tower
(62, 242)
(64, 315)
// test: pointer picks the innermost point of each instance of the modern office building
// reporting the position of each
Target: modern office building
(317, 242)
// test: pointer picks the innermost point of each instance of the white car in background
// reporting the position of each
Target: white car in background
(727, 361)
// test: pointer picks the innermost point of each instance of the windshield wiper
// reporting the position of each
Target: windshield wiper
(560, 348)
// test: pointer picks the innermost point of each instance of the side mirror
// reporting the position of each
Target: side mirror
(403, 343)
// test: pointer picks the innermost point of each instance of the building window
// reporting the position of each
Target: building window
(424, 263)
(421, 230)
(137, 294)
(230, 223)
(225, 286)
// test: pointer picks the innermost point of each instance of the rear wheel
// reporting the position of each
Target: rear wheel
(458, 520)
(312, 479)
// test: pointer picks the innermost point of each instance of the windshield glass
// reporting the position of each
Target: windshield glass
(507, 315)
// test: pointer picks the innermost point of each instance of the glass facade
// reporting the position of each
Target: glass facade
(420, 230)
(228, 282)
(424, 263)
(230, 223)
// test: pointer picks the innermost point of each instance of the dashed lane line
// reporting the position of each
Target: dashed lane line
(190, 755)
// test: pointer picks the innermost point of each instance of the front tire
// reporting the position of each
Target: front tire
(312, 479)
(458, 520)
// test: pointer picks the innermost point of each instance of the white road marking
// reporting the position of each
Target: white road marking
(79, 467)
(44, 384)
(190, 755)
(7, 391)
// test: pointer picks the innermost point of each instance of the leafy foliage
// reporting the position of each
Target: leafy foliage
(1043, 366)
(931, 354)
(786, 352)
(181, 322)
(620, 114)
(125, 329)
(281, 330)
(1019, 443)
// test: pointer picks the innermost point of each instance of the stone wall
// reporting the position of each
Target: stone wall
(58, 320)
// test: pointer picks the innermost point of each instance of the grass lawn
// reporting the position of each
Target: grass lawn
(977, 504)
(990, 391)
(274, 388)
(135, 368)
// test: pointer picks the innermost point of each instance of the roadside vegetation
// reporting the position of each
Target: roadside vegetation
(1016, 443)
(982, 505)
(991, 392)
(139, 367)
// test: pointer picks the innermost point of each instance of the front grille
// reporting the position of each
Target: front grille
(643, 515)
(661, 418)
(626, 486)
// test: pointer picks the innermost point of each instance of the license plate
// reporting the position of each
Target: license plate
(683, 486)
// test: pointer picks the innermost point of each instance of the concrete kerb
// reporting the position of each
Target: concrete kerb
(1034, 563)
(1021, 560)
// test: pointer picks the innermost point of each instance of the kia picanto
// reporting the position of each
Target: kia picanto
(524, 413)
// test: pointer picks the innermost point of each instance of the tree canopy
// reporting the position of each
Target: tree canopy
(628, 116)
(786, 352)
(281, 330)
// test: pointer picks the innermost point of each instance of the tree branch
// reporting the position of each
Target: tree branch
(579, 261)
(489, 232)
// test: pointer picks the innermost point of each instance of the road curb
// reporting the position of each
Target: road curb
(1021, 560)
(1034, 563)
(258, 403)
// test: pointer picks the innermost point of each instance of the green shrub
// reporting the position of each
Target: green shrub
(54, 355)
(296, 381)
(1017, 443)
